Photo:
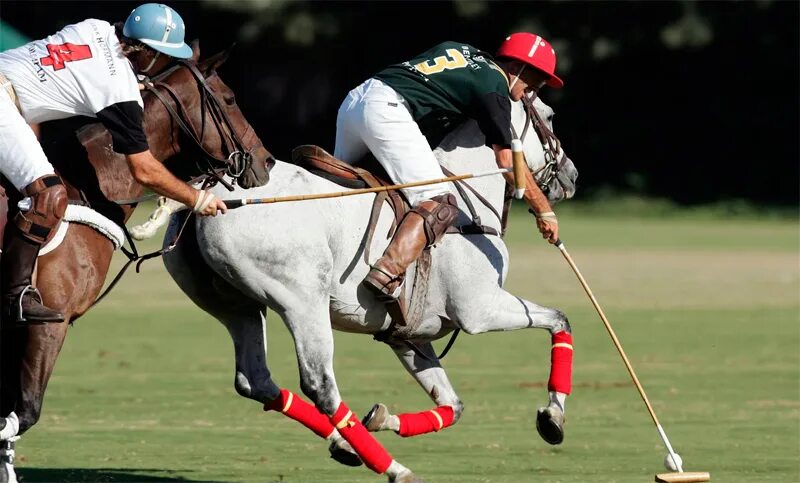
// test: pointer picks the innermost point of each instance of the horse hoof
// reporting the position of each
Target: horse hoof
(376, 418)
(550, 424)
(343, 454)
(7, 454)
(407, 477)
(7, 473)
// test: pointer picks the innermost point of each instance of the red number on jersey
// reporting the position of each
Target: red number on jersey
(61, 53)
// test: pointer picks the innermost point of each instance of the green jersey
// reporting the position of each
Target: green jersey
(450, 83)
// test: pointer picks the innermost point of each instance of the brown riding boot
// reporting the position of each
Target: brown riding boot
(423, 226)
(387, 274)
(22, 302)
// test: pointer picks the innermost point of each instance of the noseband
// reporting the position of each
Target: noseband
(554, 157)
(239, 156)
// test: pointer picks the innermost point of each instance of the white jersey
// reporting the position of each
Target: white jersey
(79, 70)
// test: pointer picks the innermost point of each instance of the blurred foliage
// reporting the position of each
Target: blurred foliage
(10, 38)
(692, 101)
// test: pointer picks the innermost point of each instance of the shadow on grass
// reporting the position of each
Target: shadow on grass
(100, 475)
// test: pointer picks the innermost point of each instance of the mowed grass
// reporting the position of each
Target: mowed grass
(706, 309)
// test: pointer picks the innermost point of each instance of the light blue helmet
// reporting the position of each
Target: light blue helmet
(160, 28)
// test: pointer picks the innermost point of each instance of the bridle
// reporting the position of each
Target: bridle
(554, 156)
(238, 159)
(239, 155)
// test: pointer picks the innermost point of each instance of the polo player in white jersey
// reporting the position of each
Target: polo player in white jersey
(86, 69)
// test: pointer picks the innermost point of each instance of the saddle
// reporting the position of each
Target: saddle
(318, 161)
(321, 163)
(406, 312)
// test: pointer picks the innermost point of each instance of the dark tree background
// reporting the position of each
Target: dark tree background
(695, 101)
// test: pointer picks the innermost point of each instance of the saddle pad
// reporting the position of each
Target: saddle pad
(85, 216)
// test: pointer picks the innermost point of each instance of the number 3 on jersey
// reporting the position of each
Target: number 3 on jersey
(62, 53)
(453, 60)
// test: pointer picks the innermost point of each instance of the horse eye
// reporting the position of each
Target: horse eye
(229, 100)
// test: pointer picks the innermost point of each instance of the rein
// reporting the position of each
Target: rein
(239, 157)
(554, 156)
(543, 177)
(237, 161)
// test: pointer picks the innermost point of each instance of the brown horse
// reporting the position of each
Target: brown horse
(191, 121)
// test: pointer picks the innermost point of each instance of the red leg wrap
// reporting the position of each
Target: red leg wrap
(368, 448)
(412, 424)
(304, 413)
(561, 363)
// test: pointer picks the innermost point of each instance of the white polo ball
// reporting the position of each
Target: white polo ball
(670, 465)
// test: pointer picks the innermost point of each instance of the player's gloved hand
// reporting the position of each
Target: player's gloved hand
(208, 205)
(547, 223)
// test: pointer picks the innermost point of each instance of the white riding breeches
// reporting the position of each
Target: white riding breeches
(376, 118)
(22, 160)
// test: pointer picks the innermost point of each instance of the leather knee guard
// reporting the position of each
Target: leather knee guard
(437, 214)
(48, 204)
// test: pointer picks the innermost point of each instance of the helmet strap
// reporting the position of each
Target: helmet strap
(516, 77)
(152, 62)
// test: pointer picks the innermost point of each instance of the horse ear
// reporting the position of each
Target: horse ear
(195, 49)
(212, 63)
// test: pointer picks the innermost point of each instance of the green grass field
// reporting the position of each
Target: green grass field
(707, 310)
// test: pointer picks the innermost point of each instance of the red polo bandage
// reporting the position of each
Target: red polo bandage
(368, 448)
(304, 413)
(412, 424)
(561, 363)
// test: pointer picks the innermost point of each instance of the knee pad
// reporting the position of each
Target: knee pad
(437, 214)
(48, 204)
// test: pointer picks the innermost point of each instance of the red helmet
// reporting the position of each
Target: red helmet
(533, 50)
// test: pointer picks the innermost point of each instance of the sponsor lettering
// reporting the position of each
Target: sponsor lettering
(40, 74)
(105, 49)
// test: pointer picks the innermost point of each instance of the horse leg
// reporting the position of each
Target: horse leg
(309, 323)
(498, 310)
(431, 376)
(245, 320)
(71, 276)
(298, 289)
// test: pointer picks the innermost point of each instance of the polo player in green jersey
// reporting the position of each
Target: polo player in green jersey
(406, 108)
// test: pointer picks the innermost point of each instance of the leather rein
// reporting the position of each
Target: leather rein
(554, 156)
(238, 159)
(554, 161)
(543, 176)
(239, 156)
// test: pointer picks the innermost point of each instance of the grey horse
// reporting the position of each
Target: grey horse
(305, 261)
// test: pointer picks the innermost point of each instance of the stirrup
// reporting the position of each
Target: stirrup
(20, 318)
(35, 291)
(378, 291)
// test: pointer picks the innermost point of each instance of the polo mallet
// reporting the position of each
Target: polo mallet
(680, 476)
(518, 168)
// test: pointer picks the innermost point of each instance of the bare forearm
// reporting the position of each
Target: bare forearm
(152, 174)
(533, 195)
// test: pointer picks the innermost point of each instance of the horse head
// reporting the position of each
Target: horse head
(193, 125)
(532, 123)
(200, 108)
(552, 169)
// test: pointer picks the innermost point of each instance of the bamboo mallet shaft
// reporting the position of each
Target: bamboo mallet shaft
(560, 245)
(338, 194)
(519, 164)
